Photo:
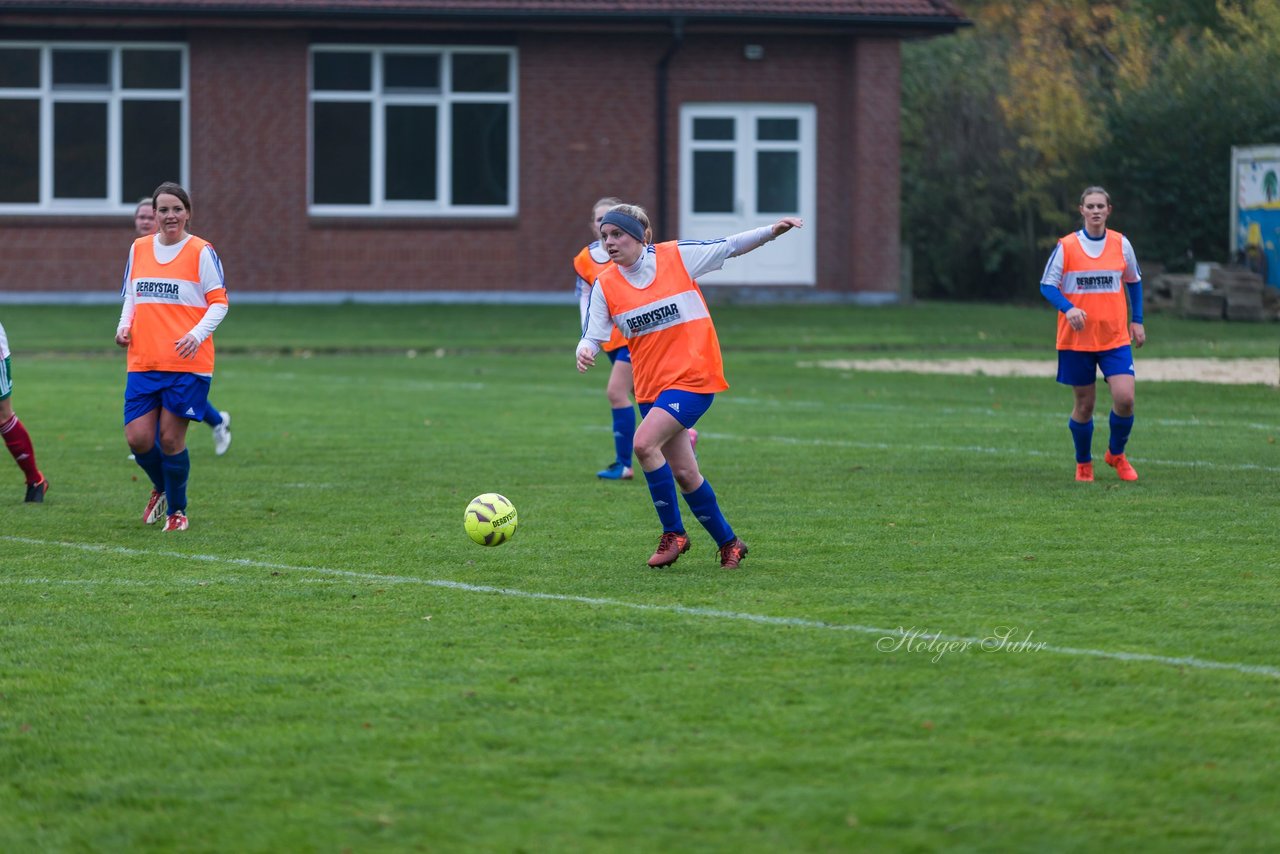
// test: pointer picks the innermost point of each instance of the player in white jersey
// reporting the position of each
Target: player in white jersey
(16, 438)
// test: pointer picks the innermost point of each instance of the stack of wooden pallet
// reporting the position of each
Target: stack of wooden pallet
(1230, 293)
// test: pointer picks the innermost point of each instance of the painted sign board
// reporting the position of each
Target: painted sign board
(1255, 209)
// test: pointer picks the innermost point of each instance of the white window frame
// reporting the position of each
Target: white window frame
(379, 205)
(113, 97)
(789, 262)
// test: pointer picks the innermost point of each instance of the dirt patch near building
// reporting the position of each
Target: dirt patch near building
(1228, 371)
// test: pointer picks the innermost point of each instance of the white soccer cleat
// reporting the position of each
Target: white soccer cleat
(177, 521)
(222, 434)
(156, 506)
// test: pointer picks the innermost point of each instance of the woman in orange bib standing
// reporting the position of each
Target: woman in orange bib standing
(1086, 279)
(174, 297)
(587, 264)
(650, 294)
(144, 222)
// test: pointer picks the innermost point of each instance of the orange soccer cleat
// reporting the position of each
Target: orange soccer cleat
(732, 553)
(1121, 465)
(670, 547)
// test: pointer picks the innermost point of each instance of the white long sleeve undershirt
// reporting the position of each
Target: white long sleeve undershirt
(211, 276)
(699, 256)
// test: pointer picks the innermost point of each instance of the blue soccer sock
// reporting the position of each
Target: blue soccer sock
(1120, 428)
(212, 417)
(662, 486)
(177, 468)
(702, 501)
(1082, 435)
(152, 463)
(624, 433)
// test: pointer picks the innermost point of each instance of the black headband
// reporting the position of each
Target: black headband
(626, 222)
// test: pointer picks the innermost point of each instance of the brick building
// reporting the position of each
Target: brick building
(425, 148)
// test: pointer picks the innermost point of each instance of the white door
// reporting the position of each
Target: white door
(747, 165)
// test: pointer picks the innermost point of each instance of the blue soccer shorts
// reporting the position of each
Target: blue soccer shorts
(685, 406)
(185, 395)
(622, 354)
(1080, 367)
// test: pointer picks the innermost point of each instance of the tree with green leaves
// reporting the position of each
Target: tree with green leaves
(1005, 123)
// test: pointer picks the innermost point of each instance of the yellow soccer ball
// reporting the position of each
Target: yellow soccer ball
(490, 519)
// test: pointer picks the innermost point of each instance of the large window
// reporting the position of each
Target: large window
(415, 131)
(89, 128)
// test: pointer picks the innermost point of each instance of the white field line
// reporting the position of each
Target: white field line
(829, 405)
(970, 449)
(846, 406)
(1235, 371)
(981, 411)
(979, 449)
(145, 585)
(682, 610)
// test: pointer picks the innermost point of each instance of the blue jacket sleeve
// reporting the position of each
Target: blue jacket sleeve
(1054, 295)
(1135, 300)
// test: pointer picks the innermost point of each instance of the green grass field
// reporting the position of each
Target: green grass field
(325, 662)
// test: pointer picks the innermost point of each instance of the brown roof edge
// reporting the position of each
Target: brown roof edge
(899, 27)
(911, 14)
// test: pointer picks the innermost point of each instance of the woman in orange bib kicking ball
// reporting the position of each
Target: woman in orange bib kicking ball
(649, 293)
